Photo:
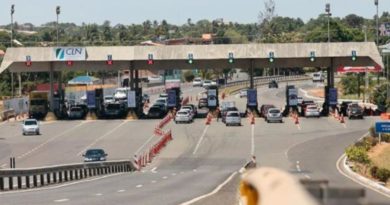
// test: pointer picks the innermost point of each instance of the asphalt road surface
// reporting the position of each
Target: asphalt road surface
(198, 159)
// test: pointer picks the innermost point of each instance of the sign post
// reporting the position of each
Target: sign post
(382, 127)
(171, 98)
(131, 99)
(91, 100)
(332, 96)
(252, 97)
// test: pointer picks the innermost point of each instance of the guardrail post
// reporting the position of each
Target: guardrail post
(60, 176)
(48, 178)
(35, 180)
(85, 173)
(42, 180)
(112, 168)
(81, 172)
(1, 183)
(28, 181)
(71, 175)
(76, 174)
(11, 183)
(19, 182)
(66, 175)
(90, 172)
(55, 177)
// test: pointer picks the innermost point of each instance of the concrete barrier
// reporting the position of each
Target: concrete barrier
(14, 179)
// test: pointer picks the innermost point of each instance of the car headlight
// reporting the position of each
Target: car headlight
(102, 158)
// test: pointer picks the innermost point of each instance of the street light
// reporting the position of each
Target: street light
(327, 10)
(12, 38)
(377, 21)
(58, 11)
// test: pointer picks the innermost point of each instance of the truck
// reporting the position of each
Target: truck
(318, 77)
(38, 104)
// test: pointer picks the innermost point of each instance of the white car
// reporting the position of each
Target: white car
(233, 118)
(312, 111)
(109, 99)
(121, 94)
(206, 83)
(30, 126)
(183, 116)
(243, 93)
(197, 82)
(190, 109)
(274, 115)
(163, 95)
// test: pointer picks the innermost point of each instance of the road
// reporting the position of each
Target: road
(198, 159)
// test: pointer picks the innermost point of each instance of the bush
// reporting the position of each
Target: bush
(367, 143)
(357, 154)
(372, 132)
(373, 171)
(383, 174)
(385, 137)
(188, 76)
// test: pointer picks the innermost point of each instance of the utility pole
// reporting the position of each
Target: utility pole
(327, 10)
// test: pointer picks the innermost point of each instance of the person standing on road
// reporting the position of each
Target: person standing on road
(251, 164)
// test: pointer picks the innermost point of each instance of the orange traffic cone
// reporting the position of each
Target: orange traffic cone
(342, 119)
(296, 119)
(252, 120)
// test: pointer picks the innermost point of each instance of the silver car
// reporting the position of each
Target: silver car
(274, 115)
(183, 116)
(30, 126)
(233, 118)
(312, 111)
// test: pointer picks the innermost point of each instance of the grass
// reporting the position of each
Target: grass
(382, 159)
(352, 97)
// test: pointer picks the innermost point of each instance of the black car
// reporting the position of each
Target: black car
(156, 112)
(264, 110)
(273, 84)
(355, 111)
(93, 155)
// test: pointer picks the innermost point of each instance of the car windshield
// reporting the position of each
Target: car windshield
(94, 152)
(312, 108)
(274, 111)
(113, 106)
(160, 101)
(30, 122)
(38, 102)
(182, 113)
(233, 114)
(108, 98)
(75, 109)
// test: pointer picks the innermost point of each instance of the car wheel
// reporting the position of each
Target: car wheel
(38, 133)
(267, 121)
(281, 121)
(24, 133)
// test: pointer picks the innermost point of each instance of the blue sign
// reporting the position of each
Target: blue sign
(332, 96)
(91, 100)
(252, 97)
(382, 127)
(171, 98)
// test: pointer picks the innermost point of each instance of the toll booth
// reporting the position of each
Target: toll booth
(174, 99)
(291, 99)
(212, 97)
(252, 103)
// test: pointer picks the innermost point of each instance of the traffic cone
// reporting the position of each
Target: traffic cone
(336, 115)
(252, 120)
(296, 119)
(342, 119)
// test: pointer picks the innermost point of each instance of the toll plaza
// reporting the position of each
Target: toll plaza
(245, 56)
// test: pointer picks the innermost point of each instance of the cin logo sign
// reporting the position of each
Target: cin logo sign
(70, 53)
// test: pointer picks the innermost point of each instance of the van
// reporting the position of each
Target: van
(318, 77)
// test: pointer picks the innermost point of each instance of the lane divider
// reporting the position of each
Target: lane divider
(200, 139)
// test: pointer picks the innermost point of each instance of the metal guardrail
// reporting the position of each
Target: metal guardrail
(12, 179)
(267, 79)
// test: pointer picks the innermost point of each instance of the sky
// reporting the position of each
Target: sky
(176, 11)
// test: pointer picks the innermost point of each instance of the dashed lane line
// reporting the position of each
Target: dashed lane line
(48, 141)
(121, 191)
(101, 137)
(61, 200)
(201, 139)
(139, 186)
(253, 140)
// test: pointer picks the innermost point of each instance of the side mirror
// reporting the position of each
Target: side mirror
(83, 155)
(105, 154)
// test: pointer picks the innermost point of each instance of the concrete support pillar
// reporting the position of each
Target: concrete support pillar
(136, 80)
(252, 62)
(51, 78)
(20, 84)
(131, 78)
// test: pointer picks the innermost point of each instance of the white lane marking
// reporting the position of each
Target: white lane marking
(253, 140)
(3, 165)
(173, 174)
(61, 200)
(48, 141)
(99, 194)
(165, 177)
(147, 141)
(120, 191)
(299, 127)
(344, 125)
(154, 170)
(194, 170)
(201, 139)
(101, 137)
(307, 176)
(2, 123)
(216, 190)
(153, 181)
(139, 186)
